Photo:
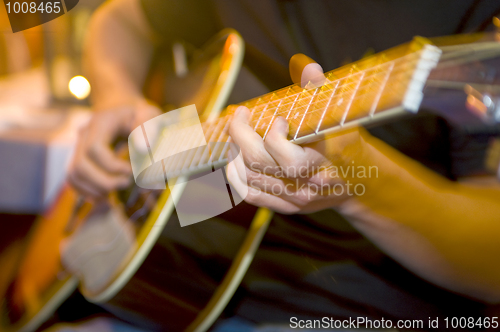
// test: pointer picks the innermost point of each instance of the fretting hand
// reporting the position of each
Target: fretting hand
(287, 177)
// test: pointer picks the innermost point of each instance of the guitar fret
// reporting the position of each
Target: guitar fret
(363, 91)
(219, 139)
(164, 144)
(326, 107)
(207, 149)
(255, 109)
(173, 160)
(382, 87)
(334, 106)
(191, 154)
(351, 100)
(272, 119)
(293, 104)
(360, 90)
(225, 148)
(186, 156)
(300, 109)
(260, 117)
(357, 88)
(276, 111)
(305, 112)
(201, 149)
(374, 69)
(351, 93)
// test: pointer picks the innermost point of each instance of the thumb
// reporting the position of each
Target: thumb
(306, 72)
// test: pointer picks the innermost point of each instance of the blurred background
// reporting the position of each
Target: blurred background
(43, 94)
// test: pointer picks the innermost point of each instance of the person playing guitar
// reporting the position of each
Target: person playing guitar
(429, 236)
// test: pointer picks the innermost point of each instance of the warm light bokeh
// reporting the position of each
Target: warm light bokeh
(79, 87)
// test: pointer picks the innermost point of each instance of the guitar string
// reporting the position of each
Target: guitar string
(332, 73)
(318, 109)
(305, 111)
(355, 94)
(320, 93)
(259, 100)
(266, 100)
(343, 86)
(304, 94)
(333, 90)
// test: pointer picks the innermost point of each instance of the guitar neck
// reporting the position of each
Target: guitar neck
(356, 93)
(369, 90)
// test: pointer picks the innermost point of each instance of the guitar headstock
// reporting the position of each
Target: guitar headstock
(464, 87)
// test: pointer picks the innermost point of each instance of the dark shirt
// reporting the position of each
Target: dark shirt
(318, 265)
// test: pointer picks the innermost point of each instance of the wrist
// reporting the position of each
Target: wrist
(361, 166)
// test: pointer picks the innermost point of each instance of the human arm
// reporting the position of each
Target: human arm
(446, 232)
(117, 56)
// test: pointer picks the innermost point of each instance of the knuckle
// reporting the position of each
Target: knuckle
(252, 161)
(320, 181)
(302, 198)
(95, 151)
(251, 176)
(251, 198)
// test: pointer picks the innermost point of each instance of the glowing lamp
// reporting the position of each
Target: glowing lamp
(79, 87)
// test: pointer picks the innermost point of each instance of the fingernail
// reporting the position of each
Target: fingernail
(312, 74)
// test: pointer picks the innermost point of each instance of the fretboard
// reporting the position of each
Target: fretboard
(368, 90)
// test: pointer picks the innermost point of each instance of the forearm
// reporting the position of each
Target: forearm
(118, 52)
(446, 232)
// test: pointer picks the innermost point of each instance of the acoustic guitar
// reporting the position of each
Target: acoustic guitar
(121, 255)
